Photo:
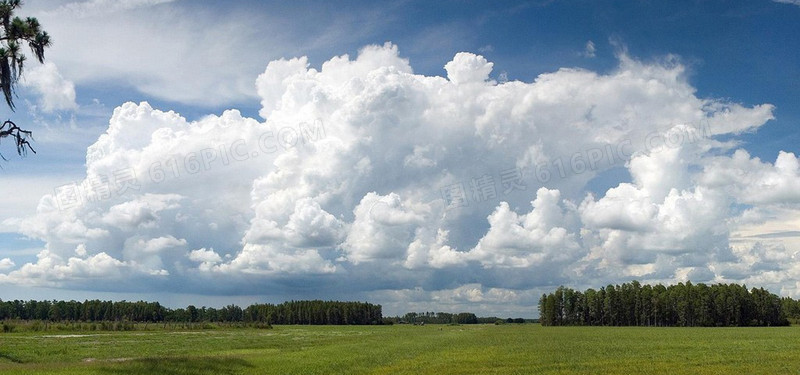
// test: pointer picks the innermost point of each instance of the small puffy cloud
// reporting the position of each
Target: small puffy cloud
(80, 250)
(589, 50)
(55, 92)
(468, 68)
(6, 264)
(207, 258)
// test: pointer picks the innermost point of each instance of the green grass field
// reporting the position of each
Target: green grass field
(404, 349)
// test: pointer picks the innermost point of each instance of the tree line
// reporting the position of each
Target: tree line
(681, 305)
(291, 312)
(439, 318)
(430, 317)
(315, 312)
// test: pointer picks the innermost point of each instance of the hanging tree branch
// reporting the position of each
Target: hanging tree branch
(20, 137)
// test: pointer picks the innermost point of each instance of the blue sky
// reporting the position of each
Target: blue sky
(529, 87)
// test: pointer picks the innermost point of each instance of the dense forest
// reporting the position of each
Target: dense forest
(683, 305)
(292, 312)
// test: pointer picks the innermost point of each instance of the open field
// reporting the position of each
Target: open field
(404, 349)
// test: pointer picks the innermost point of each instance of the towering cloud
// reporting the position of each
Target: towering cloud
(365, 178)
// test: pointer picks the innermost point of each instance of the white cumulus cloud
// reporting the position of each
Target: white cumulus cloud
(346, 185)
(56, 92)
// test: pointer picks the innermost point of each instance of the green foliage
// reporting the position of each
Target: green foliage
(114, 316)
(14, 32)
(682, 305)
(37, 326)
(314, 312)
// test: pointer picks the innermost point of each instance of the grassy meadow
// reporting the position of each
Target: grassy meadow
(406, 349)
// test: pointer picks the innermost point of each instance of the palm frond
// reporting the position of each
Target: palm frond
(6, 80)
(39, 43)
(14, 55)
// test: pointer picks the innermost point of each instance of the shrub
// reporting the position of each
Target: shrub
(262, 325)
(36, 326)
